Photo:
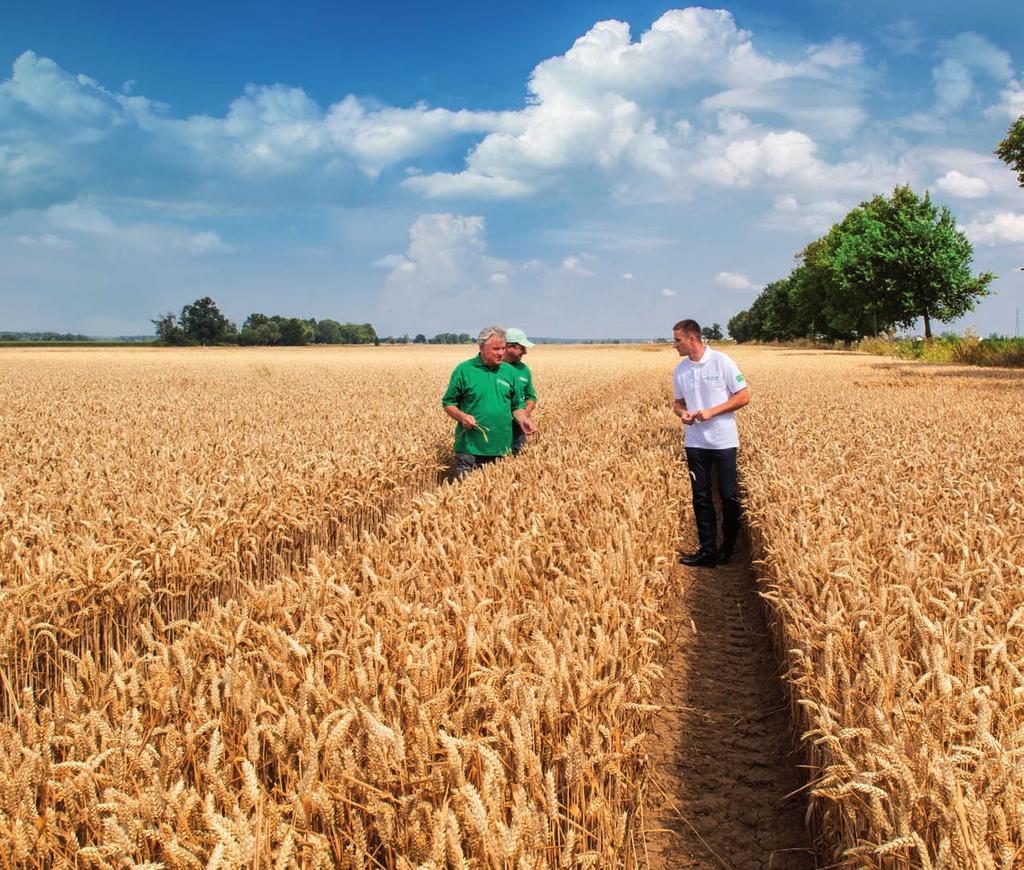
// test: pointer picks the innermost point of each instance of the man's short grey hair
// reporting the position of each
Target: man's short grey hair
(487, 332)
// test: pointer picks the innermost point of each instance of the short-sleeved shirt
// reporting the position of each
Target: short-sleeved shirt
(490, 394)
(525, 378)
(705, 384)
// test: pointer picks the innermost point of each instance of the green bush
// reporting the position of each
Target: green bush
(950, 348)
(991, 352)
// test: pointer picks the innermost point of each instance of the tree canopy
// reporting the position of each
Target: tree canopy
(1011, 149)
(201, 322)
(887, 263)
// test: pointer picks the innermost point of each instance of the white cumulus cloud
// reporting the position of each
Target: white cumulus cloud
(574, 266)
(206, 242)
(445, 252)
(955, 183)
(977, 52)
(953, 84)
(964, 55)
(47, 240)
(734, 281)
(998, 229)
(618, 107)
(1011, 102)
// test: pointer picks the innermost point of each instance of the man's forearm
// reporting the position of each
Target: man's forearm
(736, 401)
(454, 412)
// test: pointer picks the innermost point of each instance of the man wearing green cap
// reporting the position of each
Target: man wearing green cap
(483, 397)
(516, 344)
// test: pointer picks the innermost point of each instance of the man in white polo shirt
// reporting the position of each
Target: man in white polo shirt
(709, 389)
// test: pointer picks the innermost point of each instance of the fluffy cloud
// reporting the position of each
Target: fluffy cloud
(445, 251)
(955, 183)
(692, 101)
(966, 54)
(774, 155)
(998, 229)
(447, 268)
(808, 217)
(64, 136)
(46, 240)
(574, 266)
(1011, 102)
(620, 107)
(206, 242)
(93, 228)
(668, 292)
(734, 281)
(953, 84)
(976, 52)
(81, 218)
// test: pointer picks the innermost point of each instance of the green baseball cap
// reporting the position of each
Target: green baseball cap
(517, 336)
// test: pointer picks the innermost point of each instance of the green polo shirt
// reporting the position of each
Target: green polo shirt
(490, 395)
(525, 378)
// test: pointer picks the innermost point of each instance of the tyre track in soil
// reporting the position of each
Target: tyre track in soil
(726, 790)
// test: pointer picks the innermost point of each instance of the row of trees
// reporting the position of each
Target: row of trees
(444, 338)
(889, 262)
(43, 336)
(202, 322)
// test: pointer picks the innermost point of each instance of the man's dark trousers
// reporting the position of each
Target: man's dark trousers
(466, 462)
(700, 461)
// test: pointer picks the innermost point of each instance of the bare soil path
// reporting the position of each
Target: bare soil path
(727, 788)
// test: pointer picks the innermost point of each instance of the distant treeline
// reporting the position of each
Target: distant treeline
(42, 336)
(440, 338)
(202, 322)
(68, 337)
(888, 263)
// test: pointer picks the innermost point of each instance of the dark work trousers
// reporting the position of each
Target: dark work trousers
(518, 438)
(466, 462)
(700, 461)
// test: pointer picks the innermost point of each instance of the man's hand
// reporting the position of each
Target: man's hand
(703, 415)
(468, 422)
(679, 409)
(525, 423)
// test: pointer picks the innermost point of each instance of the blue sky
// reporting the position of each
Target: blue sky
(599, 169)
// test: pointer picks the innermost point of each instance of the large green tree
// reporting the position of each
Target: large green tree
(902, 258)
(1011, 149)
(167, 329)
(202, 322)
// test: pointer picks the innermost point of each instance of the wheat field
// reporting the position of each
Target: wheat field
(246, 621)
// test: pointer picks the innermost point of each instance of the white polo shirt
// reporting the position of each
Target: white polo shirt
(705, 384)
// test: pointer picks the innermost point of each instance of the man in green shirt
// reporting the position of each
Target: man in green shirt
(516, 344)
(482, 398)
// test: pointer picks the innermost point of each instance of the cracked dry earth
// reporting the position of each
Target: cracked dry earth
(727, 789)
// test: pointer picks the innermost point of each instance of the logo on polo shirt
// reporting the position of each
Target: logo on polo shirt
(504, 383)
